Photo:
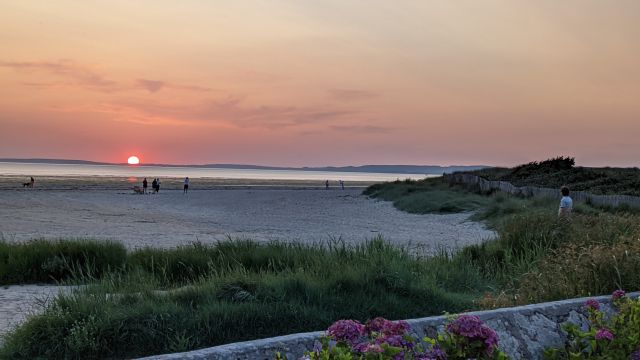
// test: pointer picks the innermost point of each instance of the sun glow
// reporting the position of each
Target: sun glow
(133, 160)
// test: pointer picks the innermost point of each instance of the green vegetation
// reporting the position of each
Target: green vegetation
(560, 171)
(42, 261)
(607, 336)
(237, 291)
(431, 196)
(537, 256)
(151, 301)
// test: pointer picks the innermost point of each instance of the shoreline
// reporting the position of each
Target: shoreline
(63, 182)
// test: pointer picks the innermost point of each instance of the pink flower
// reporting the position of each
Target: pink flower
(604, 333)
(474, 329)
(348, 331)
(618, 294)
(387, 327)
(592, 304)
(365, 348)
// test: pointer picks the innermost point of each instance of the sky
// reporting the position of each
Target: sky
(313, 83)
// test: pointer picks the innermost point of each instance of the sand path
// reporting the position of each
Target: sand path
(19, 301)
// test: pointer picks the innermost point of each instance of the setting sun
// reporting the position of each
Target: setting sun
(133, 160)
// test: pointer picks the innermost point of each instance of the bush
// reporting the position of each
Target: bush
(556, 172)
(606, 338)
(465, 337)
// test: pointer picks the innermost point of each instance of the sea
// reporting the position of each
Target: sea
(50, 169)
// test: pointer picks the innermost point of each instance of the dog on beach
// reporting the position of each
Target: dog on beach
(30, 183)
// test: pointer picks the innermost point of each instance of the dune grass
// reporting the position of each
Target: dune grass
(427, 196)
(41, 261)
(237, 291)
(537, 256)
(152, 301)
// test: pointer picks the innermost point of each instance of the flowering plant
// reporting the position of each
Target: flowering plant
(617, 337)
(464, 337)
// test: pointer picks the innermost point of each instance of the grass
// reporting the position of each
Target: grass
(237, 291)
(153, 301)
(427, 196)
(537, 256)
(41, 261)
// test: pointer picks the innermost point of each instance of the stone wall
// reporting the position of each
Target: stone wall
(524, 332)
(488, 185)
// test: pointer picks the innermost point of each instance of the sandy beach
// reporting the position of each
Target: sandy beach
(171, 218)
(298, 212)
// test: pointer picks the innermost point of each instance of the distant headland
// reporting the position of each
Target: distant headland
(397, 169)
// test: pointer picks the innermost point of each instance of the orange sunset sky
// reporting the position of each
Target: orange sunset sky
(332, 82)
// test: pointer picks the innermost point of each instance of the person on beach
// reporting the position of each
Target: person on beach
(33, 182)
(158, 185)
(185, 189)
(342, 184)
(566, 203)
(154, 185)
(326, 185)
(144, 186)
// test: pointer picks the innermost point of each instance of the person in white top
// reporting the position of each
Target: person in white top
(566, 203)
(186, 185)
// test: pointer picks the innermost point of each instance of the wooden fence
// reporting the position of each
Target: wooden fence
(488, 185)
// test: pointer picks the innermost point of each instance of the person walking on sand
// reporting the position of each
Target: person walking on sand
(154, 185)
(326, 185)
(566, 203)
(185, 189)
(158, 185)
(144, 186)
(342, 184)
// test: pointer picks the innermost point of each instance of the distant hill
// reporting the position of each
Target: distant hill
(55, 161)
(395, 169)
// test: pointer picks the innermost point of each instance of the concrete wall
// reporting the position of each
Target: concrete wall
(524, 332)
(488, 185)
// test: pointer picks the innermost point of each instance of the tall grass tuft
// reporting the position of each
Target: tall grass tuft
(40, 261)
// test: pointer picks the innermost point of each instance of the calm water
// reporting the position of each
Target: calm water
(30, 169)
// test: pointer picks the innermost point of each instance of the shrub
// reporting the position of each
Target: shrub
(617, 337)
(465, 337)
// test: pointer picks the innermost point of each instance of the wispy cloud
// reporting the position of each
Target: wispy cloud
(153, 86)
(362, 129)
(235, 111)
(350, 94)
(229, 111)
(79, 74)
(150, 85)
(89, 78)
